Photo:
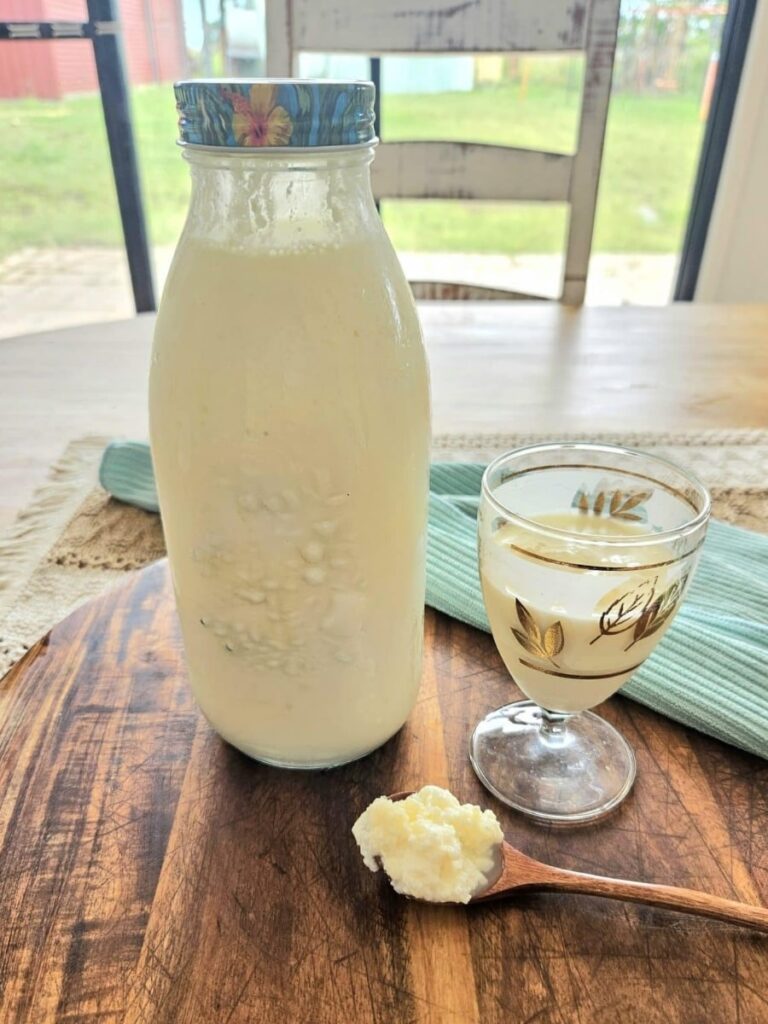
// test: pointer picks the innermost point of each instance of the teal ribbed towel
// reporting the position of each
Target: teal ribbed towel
(710, 671)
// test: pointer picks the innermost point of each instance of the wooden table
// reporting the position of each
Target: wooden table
(498, 367)
(151, 875)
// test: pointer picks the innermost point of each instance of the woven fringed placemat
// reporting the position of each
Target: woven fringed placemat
(73, 542)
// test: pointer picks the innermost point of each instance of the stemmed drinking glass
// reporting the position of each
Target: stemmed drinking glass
(586, 552)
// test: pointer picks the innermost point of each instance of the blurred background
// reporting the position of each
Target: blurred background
(61, 252)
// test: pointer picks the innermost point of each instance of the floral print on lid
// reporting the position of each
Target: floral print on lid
(274, 113)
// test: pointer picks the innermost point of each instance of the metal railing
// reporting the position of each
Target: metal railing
(103, 29)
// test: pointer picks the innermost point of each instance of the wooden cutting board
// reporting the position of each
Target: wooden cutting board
(150, 873)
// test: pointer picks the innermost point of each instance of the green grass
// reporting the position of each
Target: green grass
(56, 184)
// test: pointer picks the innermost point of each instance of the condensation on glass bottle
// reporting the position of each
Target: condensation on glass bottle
(289, 414)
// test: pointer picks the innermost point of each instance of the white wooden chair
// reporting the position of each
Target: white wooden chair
(457, 170)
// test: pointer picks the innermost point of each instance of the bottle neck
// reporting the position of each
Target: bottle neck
(281, 200)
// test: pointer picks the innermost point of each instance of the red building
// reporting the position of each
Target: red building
(153, 37)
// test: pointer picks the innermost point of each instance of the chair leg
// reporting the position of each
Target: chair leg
(573, 291)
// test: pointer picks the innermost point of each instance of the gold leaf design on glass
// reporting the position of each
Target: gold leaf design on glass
(543, 643)
(658, 612)
(625, 611)
(642, 610)
(625, 505)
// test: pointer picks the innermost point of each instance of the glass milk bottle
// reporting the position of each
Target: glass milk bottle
(289, 411)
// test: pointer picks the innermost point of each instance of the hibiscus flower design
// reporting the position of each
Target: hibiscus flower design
(257, 120)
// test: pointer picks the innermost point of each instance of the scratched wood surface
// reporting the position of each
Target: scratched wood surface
(463, 170)
(150, 873)
(429, 26)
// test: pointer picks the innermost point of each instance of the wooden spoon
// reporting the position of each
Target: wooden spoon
(515, 873)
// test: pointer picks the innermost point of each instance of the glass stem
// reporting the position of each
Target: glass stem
(553, 727)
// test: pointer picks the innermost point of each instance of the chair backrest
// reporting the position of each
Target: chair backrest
(457, 170)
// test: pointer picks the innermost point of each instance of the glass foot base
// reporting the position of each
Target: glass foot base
(574, 769)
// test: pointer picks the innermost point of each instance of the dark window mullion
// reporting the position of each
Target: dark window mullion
(733, 49)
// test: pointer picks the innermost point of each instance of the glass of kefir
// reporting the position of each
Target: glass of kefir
(586, 552)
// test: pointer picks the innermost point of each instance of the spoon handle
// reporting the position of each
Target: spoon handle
(668, 896)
